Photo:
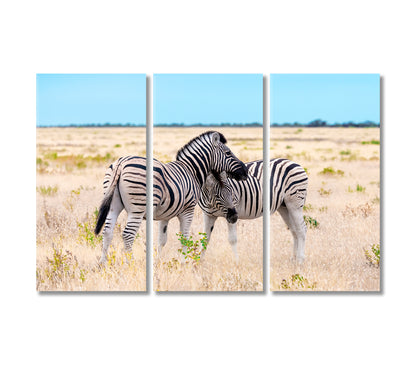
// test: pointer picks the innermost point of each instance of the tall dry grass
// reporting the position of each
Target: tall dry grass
(344, 198)
(71, 163)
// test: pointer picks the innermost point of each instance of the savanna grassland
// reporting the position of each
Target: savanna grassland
(70, 166)
(342, 210)
(218, 271)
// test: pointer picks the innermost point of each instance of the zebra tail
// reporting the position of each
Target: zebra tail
(106, 203)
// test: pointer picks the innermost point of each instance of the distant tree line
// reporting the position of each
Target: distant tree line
(314, 123)
(321, 123)
(224, 124)
(253, 124)
(96, 125)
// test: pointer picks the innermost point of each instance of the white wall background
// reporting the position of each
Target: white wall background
(230, 333)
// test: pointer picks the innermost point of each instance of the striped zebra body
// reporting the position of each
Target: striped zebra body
(288, 187)
(124, 188)
(176, 187)
(175, 190)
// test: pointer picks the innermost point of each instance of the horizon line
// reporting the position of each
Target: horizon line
(316, 123)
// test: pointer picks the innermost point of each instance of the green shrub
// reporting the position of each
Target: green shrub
(308, 207)
(345, 153)
(71, 162)
(311, 222)
(376, 142)
(81, 164)
(101, 159)
(324, 192)
(297, 282)
(373, 255)
(360, 188)
(86, 231)
(191, 249)
(60, 267)
(351, 157)
(330, 171)
(41, 165)
(51, 156)
(47, 190)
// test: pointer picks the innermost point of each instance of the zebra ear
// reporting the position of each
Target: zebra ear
(216, 138)
(223, 176)
(210, 182)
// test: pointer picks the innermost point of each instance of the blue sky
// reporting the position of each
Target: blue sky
(207, 98)
(63, 99)
(330, 97)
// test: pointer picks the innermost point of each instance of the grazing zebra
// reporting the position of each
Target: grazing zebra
(176, 187)
(288, 185)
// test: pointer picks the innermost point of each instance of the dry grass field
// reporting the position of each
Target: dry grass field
(70, 164)
(342, 206)
(218, 271)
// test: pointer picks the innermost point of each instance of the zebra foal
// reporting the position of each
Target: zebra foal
(288, 187)
(176, 188)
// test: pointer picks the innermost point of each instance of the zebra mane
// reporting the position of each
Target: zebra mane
(222, 140)
(217, 176)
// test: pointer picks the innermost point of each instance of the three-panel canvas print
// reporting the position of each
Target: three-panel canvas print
(187, 212)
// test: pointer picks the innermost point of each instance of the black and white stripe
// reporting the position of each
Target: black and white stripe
(176, 187)
(288, 188)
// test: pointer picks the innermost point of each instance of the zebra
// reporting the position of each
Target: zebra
(218, 198)
(176, 188)
(288, 188)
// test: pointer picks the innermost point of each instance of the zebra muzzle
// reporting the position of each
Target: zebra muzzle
(232, 215)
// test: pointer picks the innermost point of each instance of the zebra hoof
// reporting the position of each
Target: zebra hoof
(102, 263)
(297, 260)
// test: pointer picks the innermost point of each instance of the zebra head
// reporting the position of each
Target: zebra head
(225, 160)
(208, 152)
(217, 194)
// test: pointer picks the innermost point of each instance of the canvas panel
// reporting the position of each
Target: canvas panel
(85, 123)
(186, 106)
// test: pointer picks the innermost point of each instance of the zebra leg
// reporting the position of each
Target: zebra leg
(129, 233)
(232, 238)
(163, 236)
(209, 222)
(185, 221)
(293, 217)
(296, 215)
(110, 222)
